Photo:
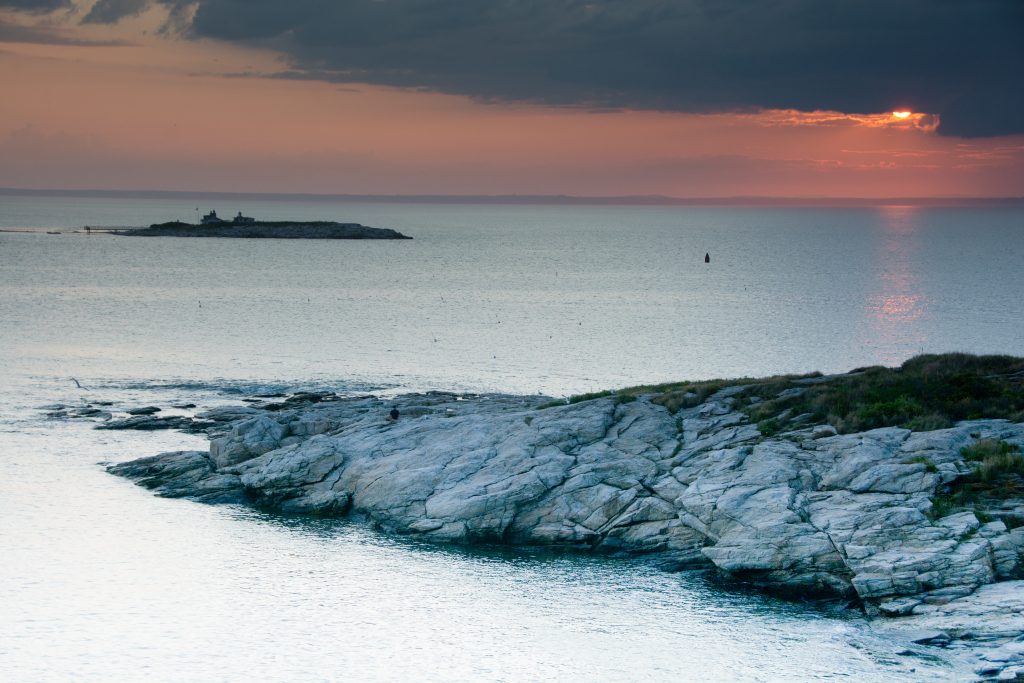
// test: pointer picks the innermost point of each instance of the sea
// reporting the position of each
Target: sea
(102, 581)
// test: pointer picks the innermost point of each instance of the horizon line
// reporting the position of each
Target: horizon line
(548, 199)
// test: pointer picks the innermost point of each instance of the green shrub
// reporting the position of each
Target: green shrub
(995, 467)
(927, 392)
(996, 460)
(926, 423)
(987, 448)
(942, 505)
(998, 474)
(769, 427)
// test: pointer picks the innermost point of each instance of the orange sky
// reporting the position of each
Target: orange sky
(172, 114)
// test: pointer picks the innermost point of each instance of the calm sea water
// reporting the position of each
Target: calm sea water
(103, 581)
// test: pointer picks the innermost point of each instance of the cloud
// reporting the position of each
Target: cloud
(111, 11)
(792, 117)
(959, 60)
(48, 35)
(38, 6)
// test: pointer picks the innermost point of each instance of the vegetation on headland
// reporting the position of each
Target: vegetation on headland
(998, 475)
(926, 392)
(995, 458)
(931, 391)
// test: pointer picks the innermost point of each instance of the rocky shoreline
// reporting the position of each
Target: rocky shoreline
(268, 230)
(806, 511)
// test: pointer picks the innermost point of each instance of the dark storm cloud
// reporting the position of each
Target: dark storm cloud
(43, 35)
(34, 5)
(962, 59)
(110, 11)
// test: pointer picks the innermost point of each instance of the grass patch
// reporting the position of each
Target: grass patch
(943, 505)
(998, 475)
(620, 398)
(922, 460)
(769, 427)
(996, 460)
(961, 499)
(983, 449)
(579, 398)
(994, 467)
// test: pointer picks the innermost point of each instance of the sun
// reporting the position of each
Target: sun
(901, 114)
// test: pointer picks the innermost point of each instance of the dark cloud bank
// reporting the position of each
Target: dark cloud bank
(962, 59)
(34, 5)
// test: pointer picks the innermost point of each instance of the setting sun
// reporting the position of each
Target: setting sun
(901, 114)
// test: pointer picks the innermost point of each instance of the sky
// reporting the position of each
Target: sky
(684, 98)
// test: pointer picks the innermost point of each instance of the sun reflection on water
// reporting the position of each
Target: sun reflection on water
(898, 300)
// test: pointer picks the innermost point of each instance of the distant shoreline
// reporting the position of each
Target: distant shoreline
(528, 199)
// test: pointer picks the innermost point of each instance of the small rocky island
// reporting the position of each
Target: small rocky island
(900, 490)
(246, 227)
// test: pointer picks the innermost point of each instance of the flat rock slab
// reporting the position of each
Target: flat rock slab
(149, 423)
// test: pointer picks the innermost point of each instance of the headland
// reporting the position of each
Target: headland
(898, 489)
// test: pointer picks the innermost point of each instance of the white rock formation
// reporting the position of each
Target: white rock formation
(806, 511)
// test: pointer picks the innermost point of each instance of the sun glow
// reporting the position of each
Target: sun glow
(901, 114)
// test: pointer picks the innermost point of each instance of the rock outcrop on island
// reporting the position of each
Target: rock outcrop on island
(326, 230)
(869, 515)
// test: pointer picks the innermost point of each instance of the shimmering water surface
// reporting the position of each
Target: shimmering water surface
(102, 581)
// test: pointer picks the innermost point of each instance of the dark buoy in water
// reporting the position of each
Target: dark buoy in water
(707, 257)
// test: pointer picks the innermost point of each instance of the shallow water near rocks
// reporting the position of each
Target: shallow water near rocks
(105, 581)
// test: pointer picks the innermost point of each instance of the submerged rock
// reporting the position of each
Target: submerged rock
(61, 411)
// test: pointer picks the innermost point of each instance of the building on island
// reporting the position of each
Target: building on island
(212, 219)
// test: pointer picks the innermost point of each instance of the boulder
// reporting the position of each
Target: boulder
(246, 440)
